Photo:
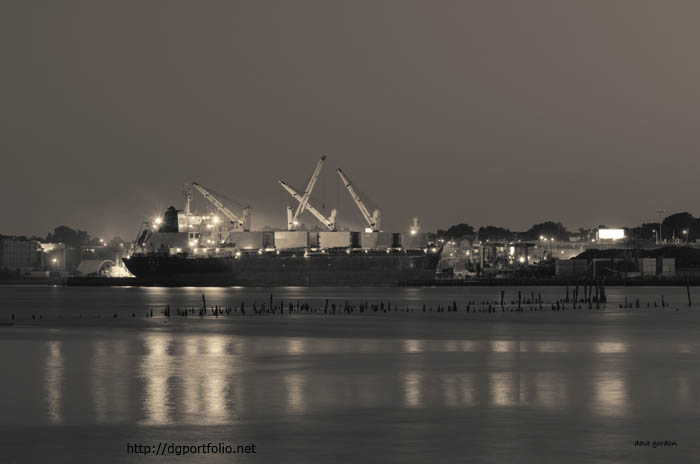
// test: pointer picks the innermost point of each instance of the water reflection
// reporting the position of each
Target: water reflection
(550, 390)
(459, 390)
(53, 378)
(108, 382)
(413, 389)
(156, 368)
(503, 346)
(502, 390)
(216, 378)
(294, 384)
(610, 347)
(413, 346)
(610, 394)
(296, 346)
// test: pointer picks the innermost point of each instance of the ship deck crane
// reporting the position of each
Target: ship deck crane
(243, 223)
(371, 219)
(328, 222)
(293, 218)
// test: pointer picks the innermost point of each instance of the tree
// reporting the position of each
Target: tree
(675, 224)
(457, 231)
(496, 234)
(548, 229)
(68, 236)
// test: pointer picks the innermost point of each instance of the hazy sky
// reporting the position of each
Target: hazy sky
(492, 112)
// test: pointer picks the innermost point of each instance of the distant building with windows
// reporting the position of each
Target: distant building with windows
(18, 254)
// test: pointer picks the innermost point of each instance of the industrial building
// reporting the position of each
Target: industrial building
(23, 256)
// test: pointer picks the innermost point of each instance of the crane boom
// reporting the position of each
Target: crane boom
(244, 223)
(372, 219)
(328, 222)
(307, 193)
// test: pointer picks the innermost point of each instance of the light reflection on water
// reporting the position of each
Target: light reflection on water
(211, 379)
(428, 375)
(156, 369)
(54, 381)
(156, 378)
(413, 389)
(610, 394)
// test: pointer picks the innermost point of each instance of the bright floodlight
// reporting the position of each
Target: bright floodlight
(611, 234)
(159, 220)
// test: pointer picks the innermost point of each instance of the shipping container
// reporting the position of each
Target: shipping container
(418, 240)
(268, 239)
(247, 240)
(369, 240)
(291, 239)
(355, 239)
(668, 267)
(334, 239)
(647, 266)
(313, 239)
(383, 239)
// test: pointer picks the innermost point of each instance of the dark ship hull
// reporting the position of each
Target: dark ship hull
(359, 268)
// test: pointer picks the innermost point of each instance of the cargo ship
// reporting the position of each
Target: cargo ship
(181, 248)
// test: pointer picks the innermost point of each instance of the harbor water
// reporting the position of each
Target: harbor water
(87, 372)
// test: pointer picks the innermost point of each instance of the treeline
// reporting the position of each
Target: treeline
(72, 238)
(682, 226)
(547, 229)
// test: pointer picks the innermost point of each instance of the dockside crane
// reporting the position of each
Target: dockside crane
(243, 223)
(293, 217)
(372, 220)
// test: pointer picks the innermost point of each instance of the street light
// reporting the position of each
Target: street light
(659, 237)
(685, 232)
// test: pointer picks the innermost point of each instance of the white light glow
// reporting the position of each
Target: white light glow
(611, 234)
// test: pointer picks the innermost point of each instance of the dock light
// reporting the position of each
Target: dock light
(238, 254)
(521, 259)
(541, 237)
(179, 250)
(434, 250)
(159, 220)
(413, 232)
(368, 230)
(296, 223)
(347, 251)
(216, 219)
(54, 260)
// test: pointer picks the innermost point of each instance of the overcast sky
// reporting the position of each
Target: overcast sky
(493, 112)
